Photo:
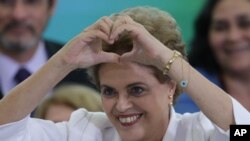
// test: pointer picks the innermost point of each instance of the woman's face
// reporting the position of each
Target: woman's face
(135, 101)
(230, 35)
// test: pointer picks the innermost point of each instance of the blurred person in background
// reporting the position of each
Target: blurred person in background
(220, 50)
(66, 99)
(22, 47)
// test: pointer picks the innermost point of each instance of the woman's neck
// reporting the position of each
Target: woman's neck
(238, 86)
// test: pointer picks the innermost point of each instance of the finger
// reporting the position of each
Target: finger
(122, 24)
(107, 20)
(131, 29)
(109, 57)
(104, 37)
(105, 25)
(102, 24)
(121, 19)
(93, 35)
(127, 56)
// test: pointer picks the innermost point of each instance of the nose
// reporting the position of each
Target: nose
(123, 104)
(234, 34)
(19, 10)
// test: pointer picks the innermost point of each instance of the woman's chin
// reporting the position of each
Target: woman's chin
(129, 136)
(132, 133)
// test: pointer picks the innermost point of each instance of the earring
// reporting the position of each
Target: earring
(171, 100)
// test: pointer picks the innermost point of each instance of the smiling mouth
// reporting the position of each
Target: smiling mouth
(237, 50)
(129, 120)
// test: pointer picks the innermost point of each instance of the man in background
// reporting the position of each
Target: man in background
(22, 48)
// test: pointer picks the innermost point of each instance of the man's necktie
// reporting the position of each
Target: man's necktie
(21, 75)
(1, 95)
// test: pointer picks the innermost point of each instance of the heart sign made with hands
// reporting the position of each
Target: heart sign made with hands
(146, 48)
(86, 49)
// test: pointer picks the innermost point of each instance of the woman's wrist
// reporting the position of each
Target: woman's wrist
(60, 63)
(168, 65)
(172, 64)
(164, 56)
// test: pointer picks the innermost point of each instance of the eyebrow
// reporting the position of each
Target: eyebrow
(130, 85)
(243, 17)
(101, 86)
(217, 21)
(136, 83)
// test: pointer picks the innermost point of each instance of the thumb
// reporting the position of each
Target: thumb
(107, 57)
(126, 57)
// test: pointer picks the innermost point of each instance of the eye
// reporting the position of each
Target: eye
(108, 92)
(7, 2)
(136, 90)
(33, 2)
(244, 24)
(220, 26)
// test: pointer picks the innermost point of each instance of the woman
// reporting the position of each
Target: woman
(221, 49)
(67, 98)
(137, 75)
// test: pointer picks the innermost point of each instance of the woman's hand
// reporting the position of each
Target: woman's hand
(81, 52)
(86, 49)
(146, 48)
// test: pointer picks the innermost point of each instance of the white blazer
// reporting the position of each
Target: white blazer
(89, 126)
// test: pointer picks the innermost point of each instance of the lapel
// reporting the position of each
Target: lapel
(117, 137)
(171, 132)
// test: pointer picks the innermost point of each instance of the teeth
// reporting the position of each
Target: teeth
(129, 119)
(236, 50)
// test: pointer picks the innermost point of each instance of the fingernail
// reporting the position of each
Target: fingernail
(111, 41)
(111, 38)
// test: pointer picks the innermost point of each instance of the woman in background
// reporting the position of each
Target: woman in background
(220, 50)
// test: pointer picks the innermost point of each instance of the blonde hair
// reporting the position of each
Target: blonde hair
(73, 95)
(158, 23)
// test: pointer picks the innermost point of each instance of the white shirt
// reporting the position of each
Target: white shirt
(9, 67)
(88, 126)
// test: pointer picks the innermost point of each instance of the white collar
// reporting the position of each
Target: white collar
(172, 128)
(170, 134)
(9, 67)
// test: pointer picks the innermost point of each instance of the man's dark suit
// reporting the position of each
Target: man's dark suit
(77, 76)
